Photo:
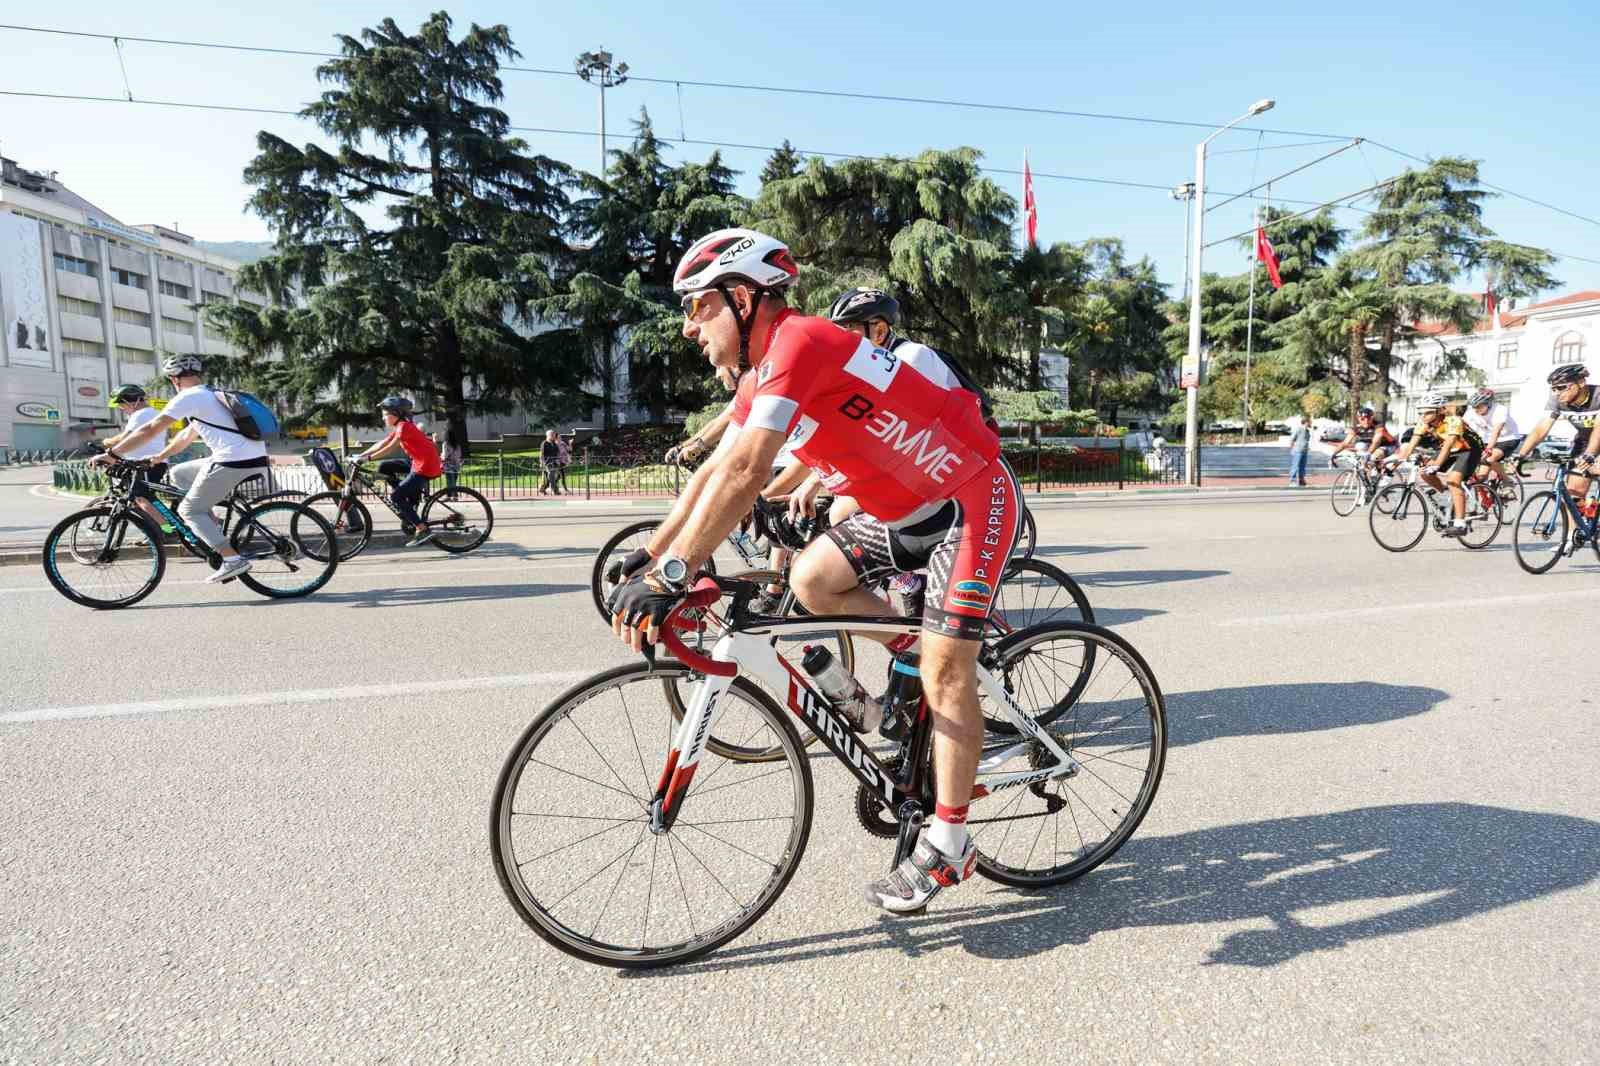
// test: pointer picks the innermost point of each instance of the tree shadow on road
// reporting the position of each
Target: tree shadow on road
(395, 597)
(1305, 884)
(1085, 549)
(1116, 579)
(1269, 710)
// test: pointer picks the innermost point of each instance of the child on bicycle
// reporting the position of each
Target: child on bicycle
(410, 476)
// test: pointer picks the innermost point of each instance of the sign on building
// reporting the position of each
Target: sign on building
(26, 316)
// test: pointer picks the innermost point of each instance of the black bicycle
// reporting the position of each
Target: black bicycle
(459, 518)
(110, 555)
(1552, 524)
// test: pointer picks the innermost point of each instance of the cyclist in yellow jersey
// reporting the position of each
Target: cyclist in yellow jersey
(1460, 451)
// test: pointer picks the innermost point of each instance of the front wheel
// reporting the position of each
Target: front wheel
(104, 557)
(1346, 493)
(1540, 536)
(459, 519)
(1399, 517)
(289, 547)
(570, 825)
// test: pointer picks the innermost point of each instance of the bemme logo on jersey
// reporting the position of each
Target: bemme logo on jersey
(936, 462)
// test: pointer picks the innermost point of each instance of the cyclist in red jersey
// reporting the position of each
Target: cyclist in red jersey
(918, 458)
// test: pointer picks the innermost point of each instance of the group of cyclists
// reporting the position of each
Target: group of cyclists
(1482, 435)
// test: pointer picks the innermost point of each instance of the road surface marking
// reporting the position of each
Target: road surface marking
(235, 700)
(360, 572)
(1477, 604)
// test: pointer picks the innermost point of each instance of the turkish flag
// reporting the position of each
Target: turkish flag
(1265, 254)
(1030, 210)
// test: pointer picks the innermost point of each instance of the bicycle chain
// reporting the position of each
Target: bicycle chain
(876, 818)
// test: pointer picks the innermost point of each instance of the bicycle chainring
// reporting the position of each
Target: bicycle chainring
(876, 817)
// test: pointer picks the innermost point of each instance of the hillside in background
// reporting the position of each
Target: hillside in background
(243, 251)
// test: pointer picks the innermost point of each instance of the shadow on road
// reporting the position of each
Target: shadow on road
(1085, 549)
(1117, 579)
(1312, 883)
(1268, 710)
(394, 597)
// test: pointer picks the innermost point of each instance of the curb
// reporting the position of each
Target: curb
(31, 555)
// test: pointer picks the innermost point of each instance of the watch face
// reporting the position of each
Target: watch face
(674, 570)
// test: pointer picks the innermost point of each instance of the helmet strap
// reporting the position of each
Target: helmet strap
(746, 323)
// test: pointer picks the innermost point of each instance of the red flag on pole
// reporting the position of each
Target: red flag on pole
(1030, 210)
(1266, 255)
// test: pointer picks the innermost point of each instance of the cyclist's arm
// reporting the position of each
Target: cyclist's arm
(148, 431)
(383, 447)
(683, 506)
(728, 494)
(1407, 448)
(1344, 446)
(711, 433)
(786, 481)
(1494, 434)
(188, 436)
(1535, 435)
(1593, 447)
(1447, 447)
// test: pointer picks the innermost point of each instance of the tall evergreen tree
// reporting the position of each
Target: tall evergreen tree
(784, 162)
(411, 240)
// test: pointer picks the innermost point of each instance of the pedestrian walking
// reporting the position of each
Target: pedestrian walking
(450, 454)
(550, 460)
(566, 461)
(1299, 447)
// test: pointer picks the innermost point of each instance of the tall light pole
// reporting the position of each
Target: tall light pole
(1191, 362)
(596, 69)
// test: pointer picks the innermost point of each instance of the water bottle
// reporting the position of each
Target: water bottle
(842, 689)
(904, 698)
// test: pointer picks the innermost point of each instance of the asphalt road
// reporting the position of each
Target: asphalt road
(250, 831)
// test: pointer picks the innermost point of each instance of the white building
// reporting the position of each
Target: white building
(1514, 351)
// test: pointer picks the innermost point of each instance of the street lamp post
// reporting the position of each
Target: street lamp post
(596, 68)
(1191, 361)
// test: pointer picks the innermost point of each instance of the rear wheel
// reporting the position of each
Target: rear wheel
(459, 518)
(349, 519)
(1540, 536)
(570, 825)
(104, 558)
(1027, 537)
(289, 547)
(1486, 515)
(1114, 730)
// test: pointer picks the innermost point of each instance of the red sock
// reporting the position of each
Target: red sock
(953, 815)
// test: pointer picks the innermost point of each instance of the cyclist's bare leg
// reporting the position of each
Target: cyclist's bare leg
(825, 583)
(1458, 495)
(950, 680)
(843, 507)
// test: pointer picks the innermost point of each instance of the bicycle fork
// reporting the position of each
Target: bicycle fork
(687, 748)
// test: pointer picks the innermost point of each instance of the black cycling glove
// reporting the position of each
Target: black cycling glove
(629, 565)
(641, 600)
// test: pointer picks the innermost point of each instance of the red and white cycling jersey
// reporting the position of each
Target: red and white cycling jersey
(872, 427)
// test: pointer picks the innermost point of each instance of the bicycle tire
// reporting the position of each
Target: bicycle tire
(1027, 536)
(1492, 518)
(285, 548)
(1102, 751)
(1539, 538)
(616, 546)
(442, 498)
(350, 520)
(527, 896)
(1395, 510)
(1346, 493)
(115, 530)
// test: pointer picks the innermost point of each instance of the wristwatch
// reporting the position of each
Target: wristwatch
(673, 572)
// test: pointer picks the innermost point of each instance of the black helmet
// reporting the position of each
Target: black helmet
(400, 405)
(128, 394)
(1569, 374)
(863, 305)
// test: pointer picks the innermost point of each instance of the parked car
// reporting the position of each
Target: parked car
(1334, 431)
(1277, 425)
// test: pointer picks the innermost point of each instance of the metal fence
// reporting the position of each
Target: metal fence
(1110, 463)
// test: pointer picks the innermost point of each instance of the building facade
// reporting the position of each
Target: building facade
(1513, 350)
(88, 305)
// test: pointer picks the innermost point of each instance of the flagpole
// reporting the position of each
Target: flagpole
(1250, 318)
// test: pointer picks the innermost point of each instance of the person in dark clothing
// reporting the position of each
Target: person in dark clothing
(550, 460)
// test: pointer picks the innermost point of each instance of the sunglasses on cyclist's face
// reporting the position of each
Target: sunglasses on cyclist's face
(1559, 389)
(693, 303)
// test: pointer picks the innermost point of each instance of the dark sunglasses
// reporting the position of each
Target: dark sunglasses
(692, 303)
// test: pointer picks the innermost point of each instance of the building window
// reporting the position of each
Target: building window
(177, 325)
(1507, 357)
(132, 318)
(172, 288)
(75, 265)
(1568, 349)
(130, 279)
(70, 306)
(209, 298)
(73, 346)
(135, 355)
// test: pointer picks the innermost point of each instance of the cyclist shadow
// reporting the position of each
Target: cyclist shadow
(1304, 884)
(1266, 710)
(1085, 549)
(433, 594)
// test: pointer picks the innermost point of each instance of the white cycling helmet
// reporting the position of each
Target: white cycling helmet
(1431, 402)
(735, 255)
(174, 365)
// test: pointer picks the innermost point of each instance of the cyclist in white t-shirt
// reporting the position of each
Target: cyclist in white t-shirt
(234, 456)
(1494, 424)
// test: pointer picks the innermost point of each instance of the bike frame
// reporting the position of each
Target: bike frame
(1587, 527)
(751, 651)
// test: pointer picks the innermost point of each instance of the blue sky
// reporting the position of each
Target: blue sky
(1514, 88)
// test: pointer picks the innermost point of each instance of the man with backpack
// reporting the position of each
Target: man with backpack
(229, 428)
